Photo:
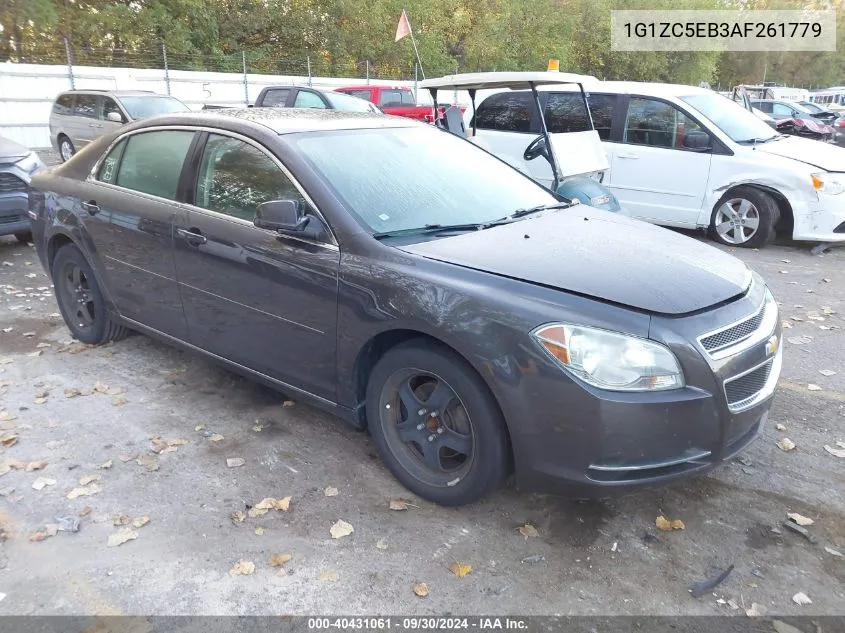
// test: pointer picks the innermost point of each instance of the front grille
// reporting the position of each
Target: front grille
(733, 334)
(11, 219)
(9, 183)
(740, 390)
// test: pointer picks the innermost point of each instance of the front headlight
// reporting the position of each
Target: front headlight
(831, 184)
(608, 360)
(29, 163)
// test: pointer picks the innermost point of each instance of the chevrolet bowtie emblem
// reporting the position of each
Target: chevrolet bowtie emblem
(772, 345)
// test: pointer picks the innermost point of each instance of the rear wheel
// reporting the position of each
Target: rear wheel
(66, 148)
(24, 238)
(80, 299)
(435, 424)
(744, 217)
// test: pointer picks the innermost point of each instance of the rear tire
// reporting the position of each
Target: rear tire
(80, 299)
(744, 217)
(436, 425)
(66, 148)
(24, 238)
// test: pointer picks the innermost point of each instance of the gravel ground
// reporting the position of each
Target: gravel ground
(587, 558)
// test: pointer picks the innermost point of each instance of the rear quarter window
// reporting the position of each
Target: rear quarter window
(505, 112)
(152, 162)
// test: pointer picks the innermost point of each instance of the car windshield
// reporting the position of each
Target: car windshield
(348, 103)
(144, 107)
(399, 179)
(738, 123)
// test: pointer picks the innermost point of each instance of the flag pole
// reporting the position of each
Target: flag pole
(414, 42)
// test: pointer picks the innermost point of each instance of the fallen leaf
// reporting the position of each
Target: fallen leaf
(381, 544)
(799, 519)
(242, 568)
(88, 479)
(836, 452)
(113, 391)
(827, 372)
(87, 491)
(812, 387)
(826, 280)
(43, 482)
(31, 466)
(277, 560)
(780, 427)
(72, 393)
(5, 416)
(40, 401)
(786, 325)
(238, 516)
(216, 437)
(121, 520)
(801, 598)
(273, 504)
(140, 521)
(799, 340)
(259, 531)
(755, 611)
(177, 442)
(341, 529)
(127, 457)
(330, 576)
(28, 334)
(666, 525)
(118, 401)
(36, 353)
(121, 536)
(420, 589)
(400, 504)
(259, 427)
(528, 531)
(106, 465)
(45, 533)
(199, 427)
(785, 444)
(149, 462)
(288, 403)
(460, 569)
(9, 439)
(234, 462)
(331, 492)
(84, 512)
(257, 512)
(783, 627)
(157, 445)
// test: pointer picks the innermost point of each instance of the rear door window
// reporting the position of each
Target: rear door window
(152, 162)
(86, 105)
(276, 98)
(506, 112)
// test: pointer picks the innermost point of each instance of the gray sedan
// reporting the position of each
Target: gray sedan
(419, 288)
(17, 164)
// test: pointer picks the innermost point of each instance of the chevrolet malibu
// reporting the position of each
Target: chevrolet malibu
(420, 288)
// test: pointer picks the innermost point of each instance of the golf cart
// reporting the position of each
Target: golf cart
(577, 159)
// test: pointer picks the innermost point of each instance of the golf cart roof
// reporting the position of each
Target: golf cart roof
(512, 80)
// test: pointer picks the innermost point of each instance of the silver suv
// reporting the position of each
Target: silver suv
(80, 116)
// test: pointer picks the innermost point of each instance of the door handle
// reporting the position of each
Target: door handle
(192, 237)
(95, 125)
(91, 207)
(631, 156)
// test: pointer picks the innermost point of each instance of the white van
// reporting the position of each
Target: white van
(689, 157)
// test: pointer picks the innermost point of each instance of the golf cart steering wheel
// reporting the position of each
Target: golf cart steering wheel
(536, 148)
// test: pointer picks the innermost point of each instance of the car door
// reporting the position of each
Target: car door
(132, 209)
(261, 299)
(661, 165)
(86, 124)
(506, 123)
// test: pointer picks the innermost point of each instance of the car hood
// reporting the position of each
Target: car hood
(822, 155)
(10, 150)
(602, 255)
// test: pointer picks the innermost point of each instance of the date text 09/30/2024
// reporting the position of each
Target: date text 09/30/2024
(419, 623)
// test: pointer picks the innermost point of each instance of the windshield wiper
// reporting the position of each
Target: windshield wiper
(519, 213)
(755, 141)
(432, 228)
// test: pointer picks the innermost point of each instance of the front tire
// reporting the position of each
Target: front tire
(744, 217)
(436, 425)
(80, 299)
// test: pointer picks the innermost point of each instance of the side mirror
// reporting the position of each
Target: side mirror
(283, 216)
(114, 117)
(697, 141)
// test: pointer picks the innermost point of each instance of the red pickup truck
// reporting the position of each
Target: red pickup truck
(394, 100)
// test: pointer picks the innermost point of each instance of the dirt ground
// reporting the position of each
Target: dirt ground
(587, 558)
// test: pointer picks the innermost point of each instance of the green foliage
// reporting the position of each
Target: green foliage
(337, 36)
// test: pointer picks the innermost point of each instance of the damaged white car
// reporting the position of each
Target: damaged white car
(690, 158)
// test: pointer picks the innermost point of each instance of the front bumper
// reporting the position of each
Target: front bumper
(820, 221)
(584, 442)
(14, 199)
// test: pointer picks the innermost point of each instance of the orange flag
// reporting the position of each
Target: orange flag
(403, 28)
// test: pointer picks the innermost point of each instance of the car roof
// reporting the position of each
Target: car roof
(285, 120)
(115, 93)
(648, 88)
(512, 80)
